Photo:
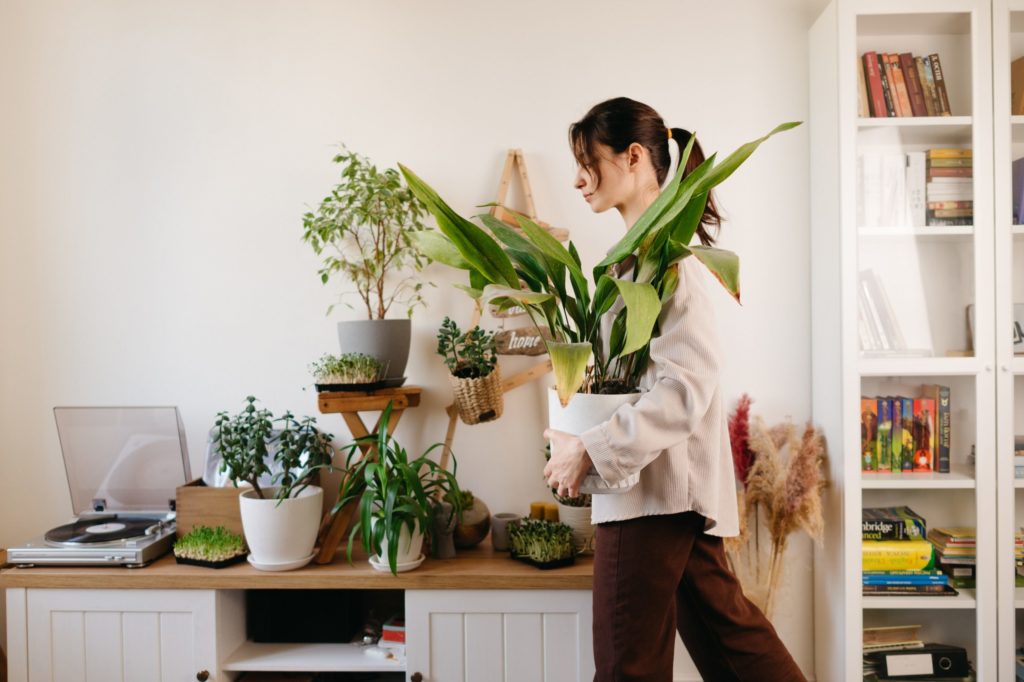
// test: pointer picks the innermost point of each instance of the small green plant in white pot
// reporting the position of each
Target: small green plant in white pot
(346, 371)
(362, 230)
(280, 522)
(395, 496)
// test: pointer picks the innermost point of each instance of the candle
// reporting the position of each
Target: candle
(550, 511)
(536, 510)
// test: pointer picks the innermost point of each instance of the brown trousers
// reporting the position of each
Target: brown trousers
(656, 574)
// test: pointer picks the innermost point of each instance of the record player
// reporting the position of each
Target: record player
(123, 466)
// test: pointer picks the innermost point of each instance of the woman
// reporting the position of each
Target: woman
(660, 564)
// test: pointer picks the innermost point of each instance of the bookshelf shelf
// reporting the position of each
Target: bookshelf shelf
(965, 233)
(916, 130)
(911, 367)
(307, 657)
(964, 600)
(952, 481)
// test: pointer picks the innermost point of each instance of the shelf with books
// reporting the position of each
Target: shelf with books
(964, 600)
(917, 131)
(957, 478)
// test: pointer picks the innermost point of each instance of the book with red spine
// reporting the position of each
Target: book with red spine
(902, 93)
(887, 91)
(913, 84)
(876, 98)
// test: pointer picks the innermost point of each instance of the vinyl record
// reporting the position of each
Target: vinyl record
(107, 529)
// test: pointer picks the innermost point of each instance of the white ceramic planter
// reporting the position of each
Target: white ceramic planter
(583, 412)
(578, 518)
(281, 534)
(410, 545)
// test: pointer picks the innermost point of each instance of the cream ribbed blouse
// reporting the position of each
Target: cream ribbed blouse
(677, 434)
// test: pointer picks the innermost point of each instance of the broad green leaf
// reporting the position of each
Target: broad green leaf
(539, 237)
(642, 310)
(475, 245)
(493, 291)
(569, 362)
(734, 160)
(437, 247)
(473, 293)
(724, 265)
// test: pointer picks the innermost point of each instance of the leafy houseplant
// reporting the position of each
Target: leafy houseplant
(395, 495)
(532, 269)
(346, 369)
(213, 547)
(472, 360)
(363, 230)
(280, 522)
(545, 544)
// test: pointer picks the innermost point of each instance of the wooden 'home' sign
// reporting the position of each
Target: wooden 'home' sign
(522, 341)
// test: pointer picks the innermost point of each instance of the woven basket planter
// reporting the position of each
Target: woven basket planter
(478, 400)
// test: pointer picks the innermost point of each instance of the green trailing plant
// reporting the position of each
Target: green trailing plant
(363, 230)
(464, 502)
(244, 441)
(393, 491)
(203, 543)
(532, 269)
(541, 541)
(347, 368)
(581, 500)
(468, 355)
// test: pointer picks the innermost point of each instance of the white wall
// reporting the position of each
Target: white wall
(157, 158)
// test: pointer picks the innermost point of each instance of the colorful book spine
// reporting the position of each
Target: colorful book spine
(907, 463)
(890, 110)
(926, 87)
(888, 555)
(913, 84)
(884, 458)
(869, 434)
(896, 412)
(930, 590)
(876, 97)
(924, 434)
(940, 85)
(892, 523)
(863, 110)
(882, 578)
(902, 93)
(930, 87)
(950, 153)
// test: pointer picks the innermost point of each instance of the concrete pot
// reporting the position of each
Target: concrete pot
(386, 340)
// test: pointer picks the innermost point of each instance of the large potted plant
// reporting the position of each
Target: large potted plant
(280, 522)
(363, 230)
(532, 269)
(396, 497)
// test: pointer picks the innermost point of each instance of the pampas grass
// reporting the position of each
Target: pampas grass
(779, 496)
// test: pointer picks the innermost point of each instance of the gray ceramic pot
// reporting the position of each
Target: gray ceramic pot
(386, 340)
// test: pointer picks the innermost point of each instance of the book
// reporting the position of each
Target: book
(886, 555)
(902, 93)
(884, 458)
(863, 110)
(943, 590)
(950, 153)
(944, 162)
(939, 395)
(869, 434)
(896, 414)
(891, 634)
(924, 434)
(907, 419)
(1017, 86)
(917, 198)
(883, 578)
(940, 85)
(876, 97)
(952, 213)
(890, 110)
(939, 205)
(931, 100)
(913, 84)
(942, 172)
(892, 523)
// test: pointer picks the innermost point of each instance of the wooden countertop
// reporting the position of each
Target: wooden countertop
(478, 568)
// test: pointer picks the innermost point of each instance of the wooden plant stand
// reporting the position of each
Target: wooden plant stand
(350, 405)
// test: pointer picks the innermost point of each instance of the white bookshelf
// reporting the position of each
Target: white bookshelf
(931, 275)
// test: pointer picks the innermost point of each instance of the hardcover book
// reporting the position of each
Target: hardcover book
(892, 523)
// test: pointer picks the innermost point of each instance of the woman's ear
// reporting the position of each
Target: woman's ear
(634, 155)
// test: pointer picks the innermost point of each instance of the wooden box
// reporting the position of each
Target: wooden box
(200, 505)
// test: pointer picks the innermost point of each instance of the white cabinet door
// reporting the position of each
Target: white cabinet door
(118, 636)
(499, 635)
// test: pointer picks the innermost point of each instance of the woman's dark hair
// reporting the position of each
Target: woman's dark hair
(620, 122)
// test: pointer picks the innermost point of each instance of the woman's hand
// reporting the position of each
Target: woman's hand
(568, 465)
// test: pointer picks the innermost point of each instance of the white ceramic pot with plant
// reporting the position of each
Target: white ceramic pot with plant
(598, 363)
(280, 522)
(395, 496)
(362, 229)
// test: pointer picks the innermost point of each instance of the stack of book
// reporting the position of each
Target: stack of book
(956, 554)
(889, 638)
(906, 435)
(896, 558)
(949, 188)
(901, 85)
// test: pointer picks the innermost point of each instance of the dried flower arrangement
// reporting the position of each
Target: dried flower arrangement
(778, 496)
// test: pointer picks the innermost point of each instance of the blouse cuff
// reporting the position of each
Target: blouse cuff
(602, 454)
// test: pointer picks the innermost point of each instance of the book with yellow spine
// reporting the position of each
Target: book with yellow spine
(897, 555)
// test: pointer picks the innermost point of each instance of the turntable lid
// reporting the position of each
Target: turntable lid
(131, 457)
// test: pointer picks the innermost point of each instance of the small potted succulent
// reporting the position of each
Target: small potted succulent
(395, 496)
(472, 360)
(210, 547)
(575, 513)
(347, 372)
(280, 522)
(474, 522)
(544, 544)
(363, 230)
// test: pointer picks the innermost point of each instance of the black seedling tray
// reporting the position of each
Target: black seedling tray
(544, 565)
(210, 564)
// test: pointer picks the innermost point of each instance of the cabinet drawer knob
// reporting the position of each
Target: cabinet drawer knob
(203, 675)
(416, 677)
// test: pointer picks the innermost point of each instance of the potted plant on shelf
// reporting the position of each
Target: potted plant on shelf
(210, 547)
(363, 231)
(575, 513)
(474, 521)
(472, 360)
(532, 269)
(395, 496)
(544, 544)
(280, 522)
(348, 371)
